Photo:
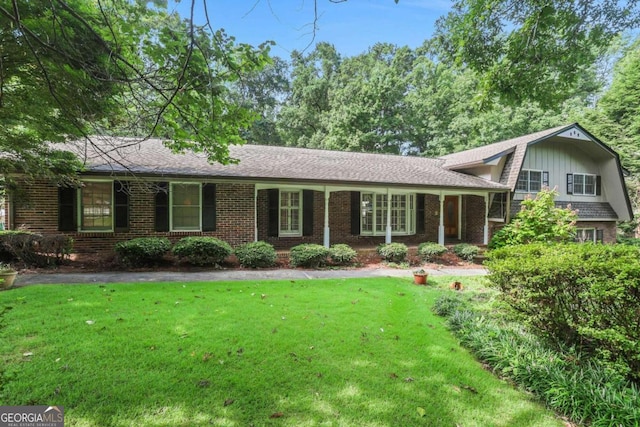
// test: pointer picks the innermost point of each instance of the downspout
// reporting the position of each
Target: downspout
(255, 212)
(441, 225)
(485, 240)
(327, 194)
(387, 238)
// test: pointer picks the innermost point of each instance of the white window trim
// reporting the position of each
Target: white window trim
(410, 215)
(80, 213)
(287, 233)
(593, 229)
(528, 190)
(595, 183)
(171, 193)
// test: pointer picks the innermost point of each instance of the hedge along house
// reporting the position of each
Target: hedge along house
(586, 173)
(288, 196)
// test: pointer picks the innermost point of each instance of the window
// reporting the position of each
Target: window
(584, 184)
(584, 235)
(96, 206)
(375, 211)
(531, 181)
(185, 206)
(290, 213)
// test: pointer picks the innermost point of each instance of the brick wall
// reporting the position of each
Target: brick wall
(340, 223)
(609, 229)
(473, 215)
(234, 222)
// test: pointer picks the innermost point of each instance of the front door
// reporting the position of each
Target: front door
(451, 216)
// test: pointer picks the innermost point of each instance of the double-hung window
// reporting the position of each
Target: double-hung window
(186, 206)
(531, 181)
(290, 213)
(375, 211)
(584, 184)
(96, 206)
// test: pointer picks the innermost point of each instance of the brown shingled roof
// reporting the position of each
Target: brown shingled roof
(151, 157)
(479, 155)
(516, 146)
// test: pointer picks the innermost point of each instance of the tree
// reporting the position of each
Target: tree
(264, 92)
(367, 101)
(531, 49)
(539, 220)
(69, 69)
(302, 121)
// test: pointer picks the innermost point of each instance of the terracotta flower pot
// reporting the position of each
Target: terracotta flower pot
(420, 279)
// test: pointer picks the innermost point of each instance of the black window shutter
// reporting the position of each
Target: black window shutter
(162, 207)
(67, 212)
(356, 211)
(545, 178)
(420, 214)
(121, 205)
(569, 183)
(208, 207)
(273, 202)
(599, 235)
(307, 212)
(598, 185)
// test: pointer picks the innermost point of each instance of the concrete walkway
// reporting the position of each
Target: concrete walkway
(222, 275)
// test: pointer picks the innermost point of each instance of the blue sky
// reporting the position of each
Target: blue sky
(351, 26)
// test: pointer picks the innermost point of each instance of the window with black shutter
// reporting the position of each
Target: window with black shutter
(121, 191)
(67, 212)
(162, 207)
(208, 207)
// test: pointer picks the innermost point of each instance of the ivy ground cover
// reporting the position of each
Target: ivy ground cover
(356, 352)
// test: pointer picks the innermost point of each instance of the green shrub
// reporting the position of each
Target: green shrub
(393, 252)
(581, 295)
(202, 250)
(142, 251)
(447, 304)
(256, 255)
(342, 254)
(539, 220)
(583, 390)
(429, 250)
(466, 251)
(308, 255)
(34, 249)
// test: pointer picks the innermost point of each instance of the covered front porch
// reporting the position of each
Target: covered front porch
(290, 214)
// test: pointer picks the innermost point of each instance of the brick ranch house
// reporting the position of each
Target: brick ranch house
(287, 196)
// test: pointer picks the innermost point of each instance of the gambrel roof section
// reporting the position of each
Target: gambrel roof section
(515, 149)
(107, 155)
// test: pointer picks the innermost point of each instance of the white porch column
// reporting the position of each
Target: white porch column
(441, 226)
(387, 238)
(327, 194)
(486, 219)
(255, 212)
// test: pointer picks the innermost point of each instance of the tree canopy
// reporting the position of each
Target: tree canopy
(530, 49)
(70, 69)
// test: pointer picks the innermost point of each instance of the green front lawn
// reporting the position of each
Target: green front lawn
(357, 352)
